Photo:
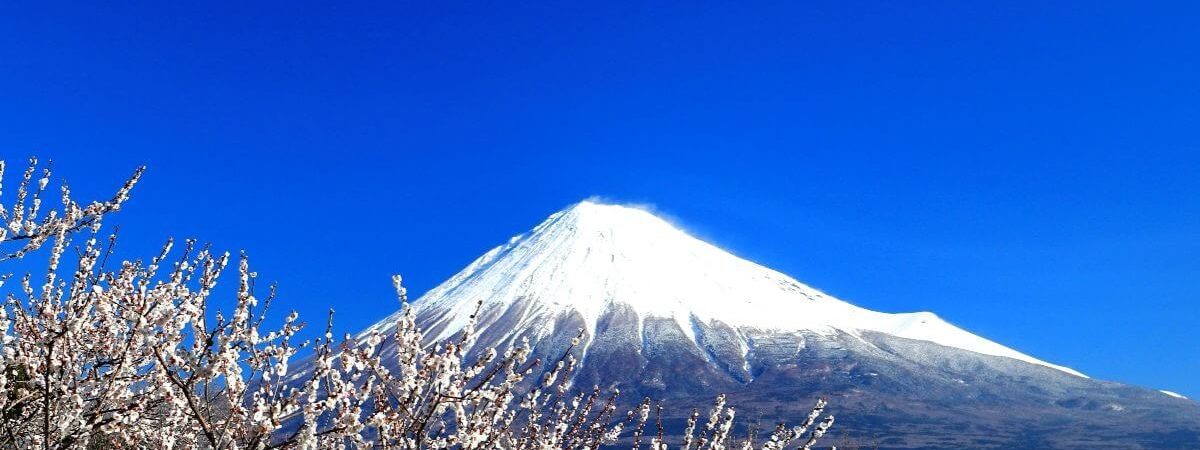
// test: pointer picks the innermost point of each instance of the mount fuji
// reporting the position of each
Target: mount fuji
(672, 317)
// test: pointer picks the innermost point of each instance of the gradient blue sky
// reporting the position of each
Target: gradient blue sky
(1029, 172)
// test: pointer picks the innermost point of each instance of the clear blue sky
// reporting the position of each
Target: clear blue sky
(1029, 172)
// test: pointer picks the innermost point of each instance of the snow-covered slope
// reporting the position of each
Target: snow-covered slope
(670, 317)
(593, 258)
(1173, 394)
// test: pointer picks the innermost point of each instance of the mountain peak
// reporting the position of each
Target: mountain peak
(599, 216)
(670, 316)
(594, 258)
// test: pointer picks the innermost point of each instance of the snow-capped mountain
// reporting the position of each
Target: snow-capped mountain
(668, 315)
(592, 259)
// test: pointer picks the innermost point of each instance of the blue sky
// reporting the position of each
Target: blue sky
(1028, 172)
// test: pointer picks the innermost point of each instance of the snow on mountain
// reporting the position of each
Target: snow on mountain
(593, 257)
(1172, 394)
(670, 317)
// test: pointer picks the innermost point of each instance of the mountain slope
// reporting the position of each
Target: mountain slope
(593, 257)
(668, 315)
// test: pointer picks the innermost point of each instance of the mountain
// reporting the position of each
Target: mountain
(672, 317)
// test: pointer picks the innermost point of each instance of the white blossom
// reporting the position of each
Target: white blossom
(129, 354)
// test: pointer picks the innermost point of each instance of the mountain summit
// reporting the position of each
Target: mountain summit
(593, 258)
(670, 316)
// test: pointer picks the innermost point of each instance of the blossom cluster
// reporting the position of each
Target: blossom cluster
(99, 355)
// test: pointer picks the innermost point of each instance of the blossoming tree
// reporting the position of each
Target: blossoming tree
(97, 354)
